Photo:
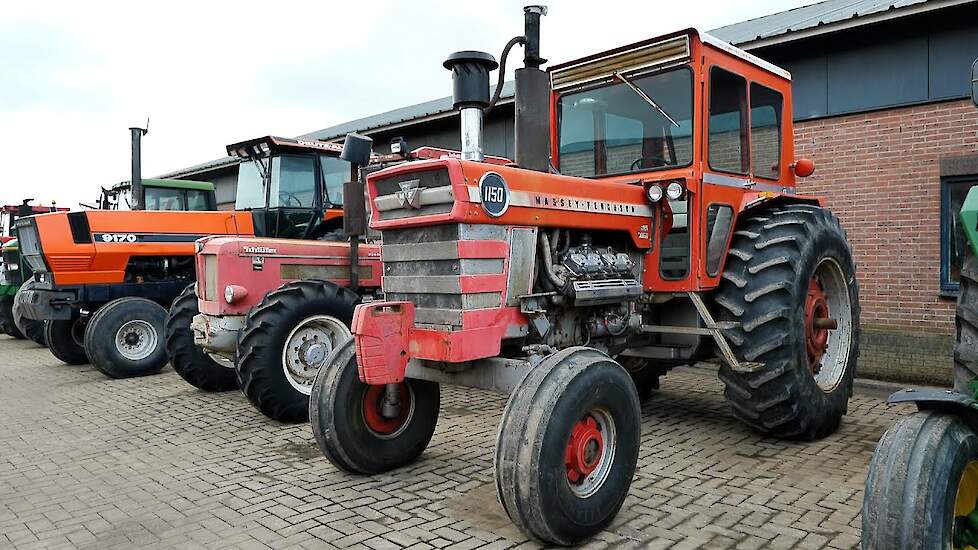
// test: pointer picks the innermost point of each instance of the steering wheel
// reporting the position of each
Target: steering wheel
(286, 198)
(636, 162)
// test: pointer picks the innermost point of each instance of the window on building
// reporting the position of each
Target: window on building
(728, 116)
(953, 241)
(765, 131)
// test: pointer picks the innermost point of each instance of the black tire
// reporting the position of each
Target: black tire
(142, 321)
(339, 417)
(33, 329)
(913, 481)
(259, 364)
(771, 264)
(564, 390)
(7, 318)
(966, 326)
(644, 374)
(190, 362)
(63, 338)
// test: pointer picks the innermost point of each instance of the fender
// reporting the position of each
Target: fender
(946, 401)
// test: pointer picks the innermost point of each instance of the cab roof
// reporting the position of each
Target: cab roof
(274, 144)
(170, 184)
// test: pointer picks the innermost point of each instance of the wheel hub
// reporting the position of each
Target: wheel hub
(315, 352)
(817, 325)
(373, 410)
(307, 348)
(136, 340)
(584, 449)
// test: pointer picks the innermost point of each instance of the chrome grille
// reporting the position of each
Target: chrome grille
(422, 193)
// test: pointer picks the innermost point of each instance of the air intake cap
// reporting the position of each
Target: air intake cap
(470, 77)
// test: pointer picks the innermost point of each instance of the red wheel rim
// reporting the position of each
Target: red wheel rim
(584, 449)
(817, 323)
(373, 403)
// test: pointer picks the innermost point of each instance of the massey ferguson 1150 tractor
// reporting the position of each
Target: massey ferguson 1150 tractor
(650, 220)
(267, 312)
(922, 485)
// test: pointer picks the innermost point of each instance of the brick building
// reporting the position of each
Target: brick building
(879, 91)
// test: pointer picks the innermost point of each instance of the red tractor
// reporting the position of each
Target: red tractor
(650, 220)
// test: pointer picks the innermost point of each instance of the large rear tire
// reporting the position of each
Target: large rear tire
(124, 338)
(922, 482)
(789, 271)
(190, 362)
(567, 446)
(284, 341)
(33, 329)
(349, 424)
(966, 327)
(64, 339)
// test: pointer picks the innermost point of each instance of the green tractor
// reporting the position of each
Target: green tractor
(922, 486)
(13, 273)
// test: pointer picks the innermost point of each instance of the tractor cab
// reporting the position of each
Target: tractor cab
(293, 187)
(161, 194)
(695, 123)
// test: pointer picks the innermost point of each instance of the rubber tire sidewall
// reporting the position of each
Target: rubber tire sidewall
(61, 343)
(33, 329)
(336, 417)
(912, 482)
(105, 324)
(189, 361)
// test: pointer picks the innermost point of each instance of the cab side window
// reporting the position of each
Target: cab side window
(765, 131)
(728, 143)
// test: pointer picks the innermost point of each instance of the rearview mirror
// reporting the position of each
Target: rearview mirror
(974, 82)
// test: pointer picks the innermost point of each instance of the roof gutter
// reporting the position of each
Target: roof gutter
(858, 21)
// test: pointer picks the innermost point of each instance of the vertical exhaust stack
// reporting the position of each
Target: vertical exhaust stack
(136, 182)
(532, 140)
(470, 92)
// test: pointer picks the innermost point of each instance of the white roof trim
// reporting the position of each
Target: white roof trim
(708, 38)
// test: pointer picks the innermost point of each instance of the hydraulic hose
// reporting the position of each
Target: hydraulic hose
(502, 70)
(548, 263)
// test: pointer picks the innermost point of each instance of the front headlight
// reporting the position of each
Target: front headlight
(674, 190)
(229, 294)
(234, 293)
(13, 267)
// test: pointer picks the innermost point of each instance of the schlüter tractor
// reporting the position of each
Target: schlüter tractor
(922, 485)
(650, 220)
(286, 302)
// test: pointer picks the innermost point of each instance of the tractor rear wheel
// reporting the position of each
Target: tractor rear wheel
(966, 324)
(190, 362)
(285, 340)
(922, 485)
(790, 283)
(65, 338)
(567, 446)
(33, 329)
(124, 338)
(351, 427)
(7, 318)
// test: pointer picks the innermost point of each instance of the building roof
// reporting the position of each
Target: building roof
(795, 24)
(821, 18)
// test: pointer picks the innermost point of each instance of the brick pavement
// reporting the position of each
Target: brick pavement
(88, 462)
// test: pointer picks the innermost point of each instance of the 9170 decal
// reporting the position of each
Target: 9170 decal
(116, 237)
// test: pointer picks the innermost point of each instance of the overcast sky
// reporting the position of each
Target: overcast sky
(76, 75)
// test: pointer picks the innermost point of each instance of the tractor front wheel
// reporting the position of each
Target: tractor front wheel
(190, 362)
(65, 340)
(567, 446)
(922, 485)
(355, 430)
(790, 285)
(285, 340)
(124, 338)
(33, 329)
(7, 318)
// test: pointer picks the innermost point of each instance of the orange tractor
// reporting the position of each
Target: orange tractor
(650, 220)
(105, 278)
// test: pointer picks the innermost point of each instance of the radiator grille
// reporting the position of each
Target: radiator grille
(422, 193)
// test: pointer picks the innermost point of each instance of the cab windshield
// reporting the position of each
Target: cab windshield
(165, 198)
(289, 181)
(613, 129)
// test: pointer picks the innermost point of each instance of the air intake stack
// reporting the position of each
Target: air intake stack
(470, 92)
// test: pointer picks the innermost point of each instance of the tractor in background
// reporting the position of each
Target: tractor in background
(922, 485)
(650, 220)
(266, 312)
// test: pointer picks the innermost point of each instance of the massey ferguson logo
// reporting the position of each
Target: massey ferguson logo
(410, 194)
(259, 250)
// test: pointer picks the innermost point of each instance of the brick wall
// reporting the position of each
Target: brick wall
(880, 173)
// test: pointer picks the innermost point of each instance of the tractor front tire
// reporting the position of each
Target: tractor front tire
(966, 327)
(922, 482)
(790, 268)
(33, 329)
(190, 362)
(64, 339)
(124, 338)
(285, 339)
(7, 318)
(348, 421)
(567, 446)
